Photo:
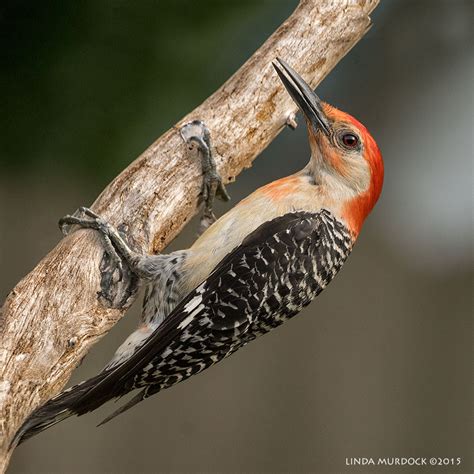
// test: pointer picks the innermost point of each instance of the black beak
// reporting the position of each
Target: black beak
(302, 94)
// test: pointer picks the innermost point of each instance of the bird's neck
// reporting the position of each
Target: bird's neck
(329, 191)
(305, 191)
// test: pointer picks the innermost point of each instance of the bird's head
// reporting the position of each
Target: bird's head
(345, 160)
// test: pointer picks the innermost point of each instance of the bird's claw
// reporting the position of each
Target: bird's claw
(94, 222)
(212, 186)
(221, 191)
(197, 135)
(88, 219)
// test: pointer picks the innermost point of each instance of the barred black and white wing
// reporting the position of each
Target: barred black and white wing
(276, 271)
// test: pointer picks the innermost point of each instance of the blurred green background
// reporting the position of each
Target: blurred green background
(380, 365)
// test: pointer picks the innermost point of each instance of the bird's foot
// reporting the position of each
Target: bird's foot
(197, 136)
(88, 219)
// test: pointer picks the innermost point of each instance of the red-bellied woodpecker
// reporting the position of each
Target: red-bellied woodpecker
(250, 271)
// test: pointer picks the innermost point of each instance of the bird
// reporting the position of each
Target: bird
(254, 268)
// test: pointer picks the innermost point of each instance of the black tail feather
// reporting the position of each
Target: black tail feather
(72, 401)
(136, 399)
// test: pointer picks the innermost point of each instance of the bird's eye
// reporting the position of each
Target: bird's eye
(349, 140)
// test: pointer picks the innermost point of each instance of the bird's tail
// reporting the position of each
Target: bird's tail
(72, 401)
(145, 393)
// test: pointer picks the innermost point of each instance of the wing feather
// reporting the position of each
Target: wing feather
(123, 375)
(234, 294)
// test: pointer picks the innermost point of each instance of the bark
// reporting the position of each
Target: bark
(56, 313)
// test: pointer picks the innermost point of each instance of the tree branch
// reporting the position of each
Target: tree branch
(54, 315)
